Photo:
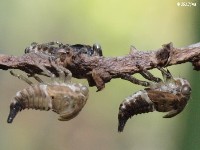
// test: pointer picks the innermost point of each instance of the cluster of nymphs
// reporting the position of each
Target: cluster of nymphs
(67, 99)
(62, 96)
(170, 95)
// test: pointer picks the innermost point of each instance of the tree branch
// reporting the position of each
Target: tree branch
(99, 70)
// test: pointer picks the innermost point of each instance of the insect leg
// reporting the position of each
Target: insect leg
(45, 71)
(147, 75)
(166, 74)
(38, 79)
(64, 74)
(134, 80)
(172, 113)
(21, 77)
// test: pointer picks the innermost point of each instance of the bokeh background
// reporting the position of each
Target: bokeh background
(116, 25)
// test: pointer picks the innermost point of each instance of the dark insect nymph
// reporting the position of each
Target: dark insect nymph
(170, 95)
(54, 48)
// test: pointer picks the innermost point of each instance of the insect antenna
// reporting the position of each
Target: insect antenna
(21, 77)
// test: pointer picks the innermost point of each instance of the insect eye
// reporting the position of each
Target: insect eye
(84, 90)
(97, 48)
(186, 90)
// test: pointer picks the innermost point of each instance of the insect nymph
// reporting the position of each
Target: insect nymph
(169, 96)
(62, 96)
(54, 48)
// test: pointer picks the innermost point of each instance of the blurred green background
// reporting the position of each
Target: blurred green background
(115, 25)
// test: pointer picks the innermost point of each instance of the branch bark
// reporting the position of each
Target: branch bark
(100, 70)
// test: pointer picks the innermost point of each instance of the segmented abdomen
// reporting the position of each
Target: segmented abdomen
(35, 97)
(135, 104)
(65, 99)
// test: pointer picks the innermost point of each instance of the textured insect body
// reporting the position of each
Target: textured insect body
(65, 98)
(35, 97)
(68, 100)
(169, 96)
(95, 50)
(54, 48)
(46, 48)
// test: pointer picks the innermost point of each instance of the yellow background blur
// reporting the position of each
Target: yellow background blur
(116, 25)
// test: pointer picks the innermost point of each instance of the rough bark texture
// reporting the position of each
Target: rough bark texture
(99, 70)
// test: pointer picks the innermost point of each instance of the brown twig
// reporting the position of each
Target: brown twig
(100, 70)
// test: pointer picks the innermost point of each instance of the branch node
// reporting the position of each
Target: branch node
(164, 55)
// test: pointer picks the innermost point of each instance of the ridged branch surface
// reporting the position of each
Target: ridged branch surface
(100, 70)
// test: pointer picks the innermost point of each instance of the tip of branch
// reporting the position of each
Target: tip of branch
(163, 55)
(168, 46)
(132, 50)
